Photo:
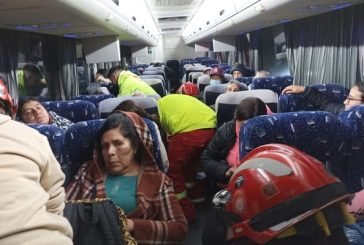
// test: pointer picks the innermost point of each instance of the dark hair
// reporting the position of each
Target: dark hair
(360, 86)
(37, 72)
(113, 69)
(102, 72)
(248, 108)
(129, 105)
(22, 103)
(127, 130)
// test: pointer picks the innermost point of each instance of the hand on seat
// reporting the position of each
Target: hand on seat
(293, 89)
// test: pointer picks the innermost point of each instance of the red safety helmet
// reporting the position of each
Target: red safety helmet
(190, 89)
(275, 187)
(217, 71)
(7, 100)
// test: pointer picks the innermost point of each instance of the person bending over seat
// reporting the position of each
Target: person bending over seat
(221, 157)
(125, 171)
(129, 83)
(32, 111)
(190, 125)
(323, 102)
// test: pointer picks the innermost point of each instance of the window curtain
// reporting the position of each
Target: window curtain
(325, 48)
(9, 60)
(242, 50)
(360, 28)
(255, 53)
(60, 62)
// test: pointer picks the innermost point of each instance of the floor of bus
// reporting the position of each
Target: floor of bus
(195, 230)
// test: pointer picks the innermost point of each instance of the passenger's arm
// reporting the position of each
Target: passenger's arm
(210, 161)
(169, 227)
(322, 101)
(52, 179)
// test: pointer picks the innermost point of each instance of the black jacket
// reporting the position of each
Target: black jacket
(213, 159)
(322, 101)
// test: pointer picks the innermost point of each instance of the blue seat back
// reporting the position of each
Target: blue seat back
(96, 99)
(276, 84)
(246, 80)
(354, 158)
(296, 102)
(74, 110)
(56, 136)
(320, 134)
(79, 141)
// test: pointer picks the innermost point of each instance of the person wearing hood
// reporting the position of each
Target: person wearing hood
(125, 171)
(238, 71)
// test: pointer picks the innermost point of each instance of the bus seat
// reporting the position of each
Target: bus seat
(320, 134)
(194, 76)
(295, 102)
(152, 76)
(74, 110)
(228, 77)
(354, 157)
(276, 84)
(94, 98)
(55, 136)
(202, 82)
(156, 147)
(149, 104)
(157, 85)
(155, 72)
(78, 142)
(211, 92)
(246, 80)
(225, 103)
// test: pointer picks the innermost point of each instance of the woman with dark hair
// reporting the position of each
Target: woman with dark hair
(221, 156)
(125, 171)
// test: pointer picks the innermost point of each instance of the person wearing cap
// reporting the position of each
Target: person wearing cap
(206, 71)
(189, 88)
(238, 71)
(129, 83)
(190, 125)
(217, 76)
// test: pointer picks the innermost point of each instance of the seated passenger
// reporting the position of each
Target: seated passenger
(129, 83)
(232, 86)
(323, 102)
(238, 71)
(206, 71)
(217, 76)
(190, 125)
(31, 81)
(125, 171)
(32, 196)
(129, 105)
(221, 156)
(32, 111)
(261, 73)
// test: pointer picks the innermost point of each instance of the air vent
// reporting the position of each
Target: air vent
(171, 29)
(172, 19)
(172, 3)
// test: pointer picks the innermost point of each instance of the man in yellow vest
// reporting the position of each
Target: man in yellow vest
(129, 83)
(190, 125)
